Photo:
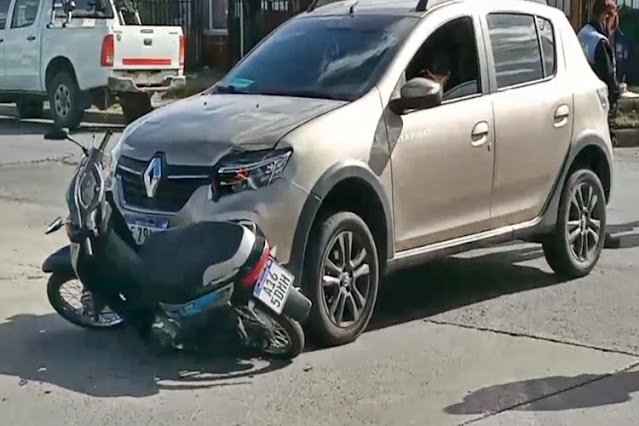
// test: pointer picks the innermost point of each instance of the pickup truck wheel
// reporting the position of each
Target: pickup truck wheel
(30, 108)
(65, 100)
(135, 105)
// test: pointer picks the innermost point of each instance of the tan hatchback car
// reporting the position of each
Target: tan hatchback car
(366, 135)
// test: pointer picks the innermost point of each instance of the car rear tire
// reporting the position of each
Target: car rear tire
(135, 105)
(30, 108)
(341, 278)
(573, 249)
(65, 100)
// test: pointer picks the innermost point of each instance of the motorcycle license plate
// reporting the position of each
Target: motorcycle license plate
(142, 227)
(273, 286)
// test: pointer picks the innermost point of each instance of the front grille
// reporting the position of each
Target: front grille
(175, 188)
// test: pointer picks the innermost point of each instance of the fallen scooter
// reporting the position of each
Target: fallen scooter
(172, 288)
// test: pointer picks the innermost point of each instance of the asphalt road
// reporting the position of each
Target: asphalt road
(490, 337)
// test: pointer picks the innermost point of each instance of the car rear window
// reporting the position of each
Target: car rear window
(335, 57)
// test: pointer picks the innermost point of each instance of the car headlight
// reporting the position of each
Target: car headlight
(250, 170)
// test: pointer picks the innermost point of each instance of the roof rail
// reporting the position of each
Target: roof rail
(317, 3)
(421, 6)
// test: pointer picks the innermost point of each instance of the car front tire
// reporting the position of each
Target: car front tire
(573, 249)
(341, 278)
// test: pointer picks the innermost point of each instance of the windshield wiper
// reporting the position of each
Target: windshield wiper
(302, 94)
(228, 89)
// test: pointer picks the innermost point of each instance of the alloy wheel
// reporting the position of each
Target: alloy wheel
(62, 100)
(345, 279)
(583, 227)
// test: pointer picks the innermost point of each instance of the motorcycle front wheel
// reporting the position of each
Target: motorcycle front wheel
(77, 308)
(285, 336)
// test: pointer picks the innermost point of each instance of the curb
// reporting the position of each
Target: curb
(90, 116)
(626, 138)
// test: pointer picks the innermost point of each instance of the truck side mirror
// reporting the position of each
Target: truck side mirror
(68, 6)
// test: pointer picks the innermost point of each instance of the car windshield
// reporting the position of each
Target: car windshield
(332, 57)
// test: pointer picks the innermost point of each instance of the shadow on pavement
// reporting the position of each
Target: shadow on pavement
(627, 240)
(14, 127)
(554, 393)
(454, 282)
(44, 348)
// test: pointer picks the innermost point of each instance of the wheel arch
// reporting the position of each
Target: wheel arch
(589, 150)
(56, 64)
(347, 186)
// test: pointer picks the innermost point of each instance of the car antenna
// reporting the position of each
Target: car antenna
(351, 11)
(421, 6)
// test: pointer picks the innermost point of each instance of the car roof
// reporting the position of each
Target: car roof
(398, 7)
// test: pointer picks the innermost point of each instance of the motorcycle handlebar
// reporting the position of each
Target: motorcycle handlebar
(105, 140)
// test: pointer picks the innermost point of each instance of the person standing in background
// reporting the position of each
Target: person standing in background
(595, 41)
(594, 38)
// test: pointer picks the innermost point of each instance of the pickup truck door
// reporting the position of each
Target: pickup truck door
(4, 13)
(22, 47)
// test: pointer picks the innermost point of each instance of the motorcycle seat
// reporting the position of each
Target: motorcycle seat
(185, 262)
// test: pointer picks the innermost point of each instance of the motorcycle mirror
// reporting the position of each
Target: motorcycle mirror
(55, 225)
(57, 134)
(62, 133)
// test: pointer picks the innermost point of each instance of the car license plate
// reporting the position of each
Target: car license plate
(273, 286)
(142, 227)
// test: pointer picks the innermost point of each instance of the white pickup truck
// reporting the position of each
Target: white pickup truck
(81, 53)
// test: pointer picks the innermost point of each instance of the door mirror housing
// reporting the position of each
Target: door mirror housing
(68, 6)
(417, 94)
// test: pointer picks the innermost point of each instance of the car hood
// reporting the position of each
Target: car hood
(200, 129)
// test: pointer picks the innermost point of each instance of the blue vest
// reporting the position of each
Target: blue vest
(589, 37)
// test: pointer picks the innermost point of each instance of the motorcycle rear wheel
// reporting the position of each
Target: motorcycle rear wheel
(286, 339)
(56, 281)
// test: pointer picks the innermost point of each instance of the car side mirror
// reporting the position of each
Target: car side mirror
(417, 94)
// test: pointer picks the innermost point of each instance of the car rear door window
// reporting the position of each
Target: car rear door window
(547, 39)
(516, 49)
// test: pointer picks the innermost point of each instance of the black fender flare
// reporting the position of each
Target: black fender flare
(59, 261)
(335, 174)
(584, 140)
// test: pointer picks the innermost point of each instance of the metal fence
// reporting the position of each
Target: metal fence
(188, 14)
(252, 20)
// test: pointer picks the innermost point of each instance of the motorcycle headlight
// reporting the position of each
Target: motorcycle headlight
(88, 188)
(251, 170)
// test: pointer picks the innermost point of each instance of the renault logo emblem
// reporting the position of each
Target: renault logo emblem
(152, 175)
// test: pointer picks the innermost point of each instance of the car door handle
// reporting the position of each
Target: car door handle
(561, 115)
(480, 134)
(31, 38)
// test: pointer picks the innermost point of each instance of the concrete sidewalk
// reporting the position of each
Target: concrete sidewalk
(111, 116)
